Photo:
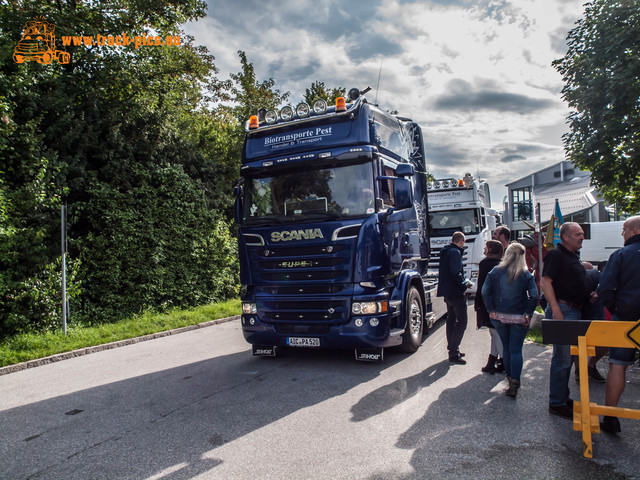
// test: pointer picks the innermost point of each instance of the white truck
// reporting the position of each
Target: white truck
(460, 205)
(601, 239)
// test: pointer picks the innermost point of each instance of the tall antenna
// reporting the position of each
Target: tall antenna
(375, 102)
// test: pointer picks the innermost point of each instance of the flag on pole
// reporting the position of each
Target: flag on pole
(548, 237)
(557, 222)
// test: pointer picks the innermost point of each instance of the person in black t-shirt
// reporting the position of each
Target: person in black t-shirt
(564, 283)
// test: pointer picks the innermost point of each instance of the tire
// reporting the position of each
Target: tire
(414, 314)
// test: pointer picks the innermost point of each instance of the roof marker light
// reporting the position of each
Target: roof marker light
(253, 122)
(320, 106)
(341, 105)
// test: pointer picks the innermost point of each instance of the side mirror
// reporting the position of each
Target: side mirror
(238, 193)
(405, 170)
(403, 193)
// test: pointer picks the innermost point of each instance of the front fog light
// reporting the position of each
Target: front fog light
(358, 322)
(374, 322)
(249, 308)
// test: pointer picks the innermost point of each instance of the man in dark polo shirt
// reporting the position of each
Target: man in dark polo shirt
(619, 290)
(564, 283)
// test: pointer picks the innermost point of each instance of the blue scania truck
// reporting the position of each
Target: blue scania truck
(333, 230)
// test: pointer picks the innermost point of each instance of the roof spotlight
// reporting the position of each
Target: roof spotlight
(270, 117)
(320, 106)
(353, 94)
(303, 110)
(286, 113)
(261, 113)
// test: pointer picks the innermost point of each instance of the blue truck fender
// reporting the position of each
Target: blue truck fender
(405, 280)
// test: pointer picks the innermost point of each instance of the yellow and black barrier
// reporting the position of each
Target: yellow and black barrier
(584, 336)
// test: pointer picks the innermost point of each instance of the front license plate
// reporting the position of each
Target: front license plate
(303, 342)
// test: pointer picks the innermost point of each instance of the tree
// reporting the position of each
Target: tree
(319, 90)
(124, 136)
(251, 95)
(602, 73)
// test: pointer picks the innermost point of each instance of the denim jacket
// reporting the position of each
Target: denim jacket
(518, 297)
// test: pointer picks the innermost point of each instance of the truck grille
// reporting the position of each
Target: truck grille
(308, 312)
(434, 259)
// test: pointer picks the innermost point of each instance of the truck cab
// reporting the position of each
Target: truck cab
(333, 235)
(460, 205)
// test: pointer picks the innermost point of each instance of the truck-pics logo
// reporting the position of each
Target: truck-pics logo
(38, 43)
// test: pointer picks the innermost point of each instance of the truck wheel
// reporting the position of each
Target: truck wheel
(46, 58)
(18, 58)
(414, 313)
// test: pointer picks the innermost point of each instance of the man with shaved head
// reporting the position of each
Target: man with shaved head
(619, 290)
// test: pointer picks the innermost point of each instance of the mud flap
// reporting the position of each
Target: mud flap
(264, 350)
(370, 354)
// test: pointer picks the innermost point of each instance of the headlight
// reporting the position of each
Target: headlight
(249, 308)
(286, 113)
(368, 308)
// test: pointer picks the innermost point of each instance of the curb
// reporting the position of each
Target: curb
(108, 346)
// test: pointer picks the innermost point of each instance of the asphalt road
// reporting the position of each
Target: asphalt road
(198, 405)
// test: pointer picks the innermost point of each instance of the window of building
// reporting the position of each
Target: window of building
(522, 205)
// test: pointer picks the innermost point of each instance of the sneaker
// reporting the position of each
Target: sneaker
(564, 411)
(595, 376)
(610, 425)
(457, 360)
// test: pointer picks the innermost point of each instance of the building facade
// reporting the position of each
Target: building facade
(579, 200)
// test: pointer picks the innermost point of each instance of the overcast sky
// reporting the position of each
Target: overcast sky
(476, 75)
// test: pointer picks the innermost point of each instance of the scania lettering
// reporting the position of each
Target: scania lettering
(333, 235)
(296, 235)
(464, 205)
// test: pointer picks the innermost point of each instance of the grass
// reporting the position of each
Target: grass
(22, 348)
(535, 335)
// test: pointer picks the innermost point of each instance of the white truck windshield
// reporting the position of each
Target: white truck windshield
(447, 222)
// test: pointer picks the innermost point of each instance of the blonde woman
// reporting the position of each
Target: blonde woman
(510, 296)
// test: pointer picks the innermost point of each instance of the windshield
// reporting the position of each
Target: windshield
(446, 223)
(323, 193)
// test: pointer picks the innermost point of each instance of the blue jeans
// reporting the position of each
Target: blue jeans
(512, 336)
(560, 371)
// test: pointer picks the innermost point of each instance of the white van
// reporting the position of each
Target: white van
(600, 241)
